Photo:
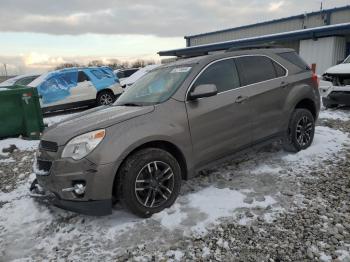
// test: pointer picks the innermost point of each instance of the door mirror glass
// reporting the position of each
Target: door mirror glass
(201, 91)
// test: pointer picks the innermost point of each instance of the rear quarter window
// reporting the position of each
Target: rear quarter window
(296, 60)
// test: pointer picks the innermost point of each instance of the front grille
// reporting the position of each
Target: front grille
(48, 146)
(44, 165)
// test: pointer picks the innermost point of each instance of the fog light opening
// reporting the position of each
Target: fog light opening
(79, 189)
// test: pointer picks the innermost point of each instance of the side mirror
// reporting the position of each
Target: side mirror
(203, 91)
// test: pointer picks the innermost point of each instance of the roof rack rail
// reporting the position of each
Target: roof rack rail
(249, 47)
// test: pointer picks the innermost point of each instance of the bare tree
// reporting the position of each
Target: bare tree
(96, 63)
(67, 65)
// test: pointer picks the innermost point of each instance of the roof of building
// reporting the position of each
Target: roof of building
(301, 16)
(311, 33)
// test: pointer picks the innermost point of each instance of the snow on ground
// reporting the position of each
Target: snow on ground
(29, 226)
(335, 114)
(327, 142)
(209, 204)
(21, 144)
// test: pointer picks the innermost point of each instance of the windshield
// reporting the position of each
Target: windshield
(155, 87)
(347, 60)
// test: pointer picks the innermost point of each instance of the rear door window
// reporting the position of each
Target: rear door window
(223, 74)
(255, 69)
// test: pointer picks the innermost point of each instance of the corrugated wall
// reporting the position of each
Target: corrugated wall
(325, 52)
(310, 21)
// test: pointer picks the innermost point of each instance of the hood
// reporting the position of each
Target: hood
(97, 118)
(339, 69)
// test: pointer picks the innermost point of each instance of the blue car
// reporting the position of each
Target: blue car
(77, 87)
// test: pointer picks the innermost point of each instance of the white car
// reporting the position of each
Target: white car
(335, 85)
(140, 73)
(123, 74)
(77, 87)
(22, 80)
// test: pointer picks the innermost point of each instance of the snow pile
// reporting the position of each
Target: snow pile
(206, 208)
(335, 114)
(21, 144)
(327, 142)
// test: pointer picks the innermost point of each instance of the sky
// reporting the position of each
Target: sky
(37, 35)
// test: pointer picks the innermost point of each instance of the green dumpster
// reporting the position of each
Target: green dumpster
(20, 112)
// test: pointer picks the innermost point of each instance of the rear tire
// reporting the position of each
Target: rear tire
(148, 181)
(105, 97)
(300, 132)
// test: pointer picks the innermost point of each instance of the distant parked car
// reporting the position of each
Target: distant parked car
(137, 75)
(22, 80)
(335, 85)
(76, 87)
(123, 74)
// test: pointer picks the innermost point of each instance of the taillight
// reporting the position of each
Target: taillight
(315, 79)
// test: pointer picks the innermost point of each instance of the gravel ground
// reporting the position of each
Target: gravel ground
(264, 206)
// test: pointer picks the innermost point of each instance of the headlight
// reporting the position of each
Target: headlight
(82, 145)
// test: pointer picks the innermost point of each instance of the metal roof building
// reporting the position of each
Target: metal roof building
(322, 38)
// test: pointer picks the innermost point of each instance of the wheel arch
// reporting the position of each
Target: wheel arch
(308, 104)
(104, 90)
(167, 146)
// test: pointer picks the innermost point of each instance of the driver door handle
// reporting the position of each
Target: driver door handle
(241, 99)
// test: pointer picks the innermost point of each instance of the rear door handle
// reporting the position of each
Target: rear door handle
(241, 99)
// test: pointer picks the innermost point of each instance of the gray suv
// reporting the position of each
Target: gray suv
(175, 121)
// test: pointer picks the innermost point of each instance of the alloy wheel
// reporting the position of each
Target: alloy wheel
(106, 99)
(154, 184)
(304, 131)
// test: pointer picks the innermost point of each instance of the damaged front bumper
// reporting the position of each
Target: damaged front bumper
(78, 186)
(334, 95)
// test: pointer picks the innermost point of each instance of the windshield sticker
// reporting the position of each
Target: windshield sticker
(180, 70)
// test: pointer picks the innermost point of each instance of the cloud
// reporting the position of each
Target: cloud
(274, 6)
(41, 62)
(156, 17)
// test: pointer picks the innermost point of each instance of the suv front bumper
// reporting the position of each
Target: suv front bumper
(63, 174)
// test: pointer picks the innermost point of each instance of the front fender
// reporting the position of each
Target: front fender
(121, 139)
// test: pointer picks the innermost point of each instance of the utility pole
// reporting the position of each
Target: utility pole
(5, 70)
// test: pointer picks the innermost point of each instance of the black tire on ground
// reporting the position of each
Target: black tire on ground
(105, 97)
(300, 132)
(148, 181)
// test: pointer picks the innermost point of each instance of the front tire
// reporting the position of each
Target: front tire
(149, 181)
(301, 131)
